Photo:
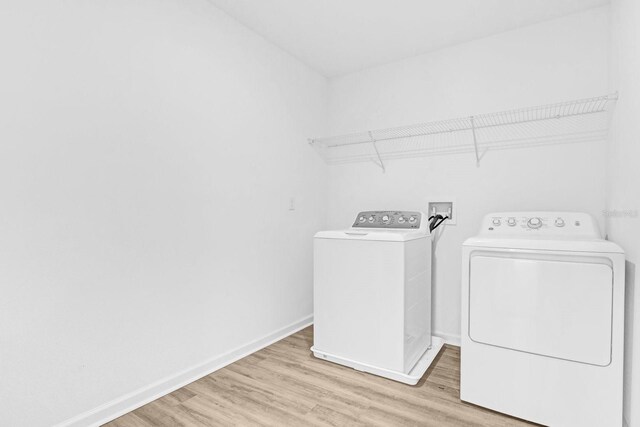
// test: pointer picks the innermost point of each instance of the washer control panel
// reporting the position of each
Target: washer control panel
(517, 224)
(389, 219)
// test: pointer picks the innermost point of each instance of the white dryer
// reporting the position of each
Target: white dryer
(372, 295)
(543, 319)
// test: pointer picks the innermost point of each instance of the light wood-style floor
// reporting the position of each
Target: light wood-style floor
(284, 385)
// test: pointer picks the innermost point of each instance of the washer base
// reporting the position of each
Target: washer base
(411, 378)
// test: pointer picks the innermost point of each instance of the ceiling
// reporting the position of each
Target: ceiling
(336, 37)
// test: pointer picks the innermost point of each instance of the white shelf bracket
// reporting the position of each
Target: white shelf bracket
(475, 140)
(375, 147)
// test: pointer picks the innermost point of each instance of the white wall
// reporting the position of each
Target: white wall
(554, 61)
(148, 153)
(623, 181)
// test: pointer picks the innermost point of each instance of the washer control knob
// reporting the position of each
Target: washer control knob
(496, 222)
(385, 218)
(362, 219)
(560, 222)
(511, 222)
(401, 220)
(372, 218)
(534, 222)
(412, 219)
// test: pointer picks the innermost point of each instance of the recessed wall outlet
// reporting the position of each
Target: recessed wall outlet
(445, 207)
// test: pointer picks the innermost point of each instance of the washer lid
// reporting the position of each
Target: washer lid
(560, 244)
(373, 234)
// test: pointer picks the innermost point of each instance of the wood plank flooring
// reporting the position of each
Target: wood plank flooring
(284, 385)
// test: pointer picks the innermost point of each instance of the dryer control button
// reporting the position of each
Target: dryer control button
(372, 218)
(512, 222)
(496, 222)
(412, 219)
(362, 219)
(401, 220)
(534, 222)
(385, 218)
(560, 222)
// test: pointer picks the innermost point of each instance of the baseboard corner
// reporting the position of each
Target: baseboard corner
(450, 339)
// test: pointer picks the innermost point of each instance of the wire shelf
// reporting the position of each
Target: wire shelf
(566, 122)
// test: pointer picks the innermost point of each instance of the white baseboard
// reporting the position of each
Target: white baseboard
(128, 402)
(448, 338)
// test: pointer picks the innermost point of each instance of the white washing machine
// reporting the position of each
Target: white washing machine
(543, 319)
(372, 295)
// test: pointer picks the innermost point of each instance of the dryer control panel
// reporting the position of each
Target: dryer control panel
(540, 223)
(389, 219)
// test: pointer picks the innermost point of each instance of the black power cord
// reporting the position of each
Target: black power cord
(436, 220)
